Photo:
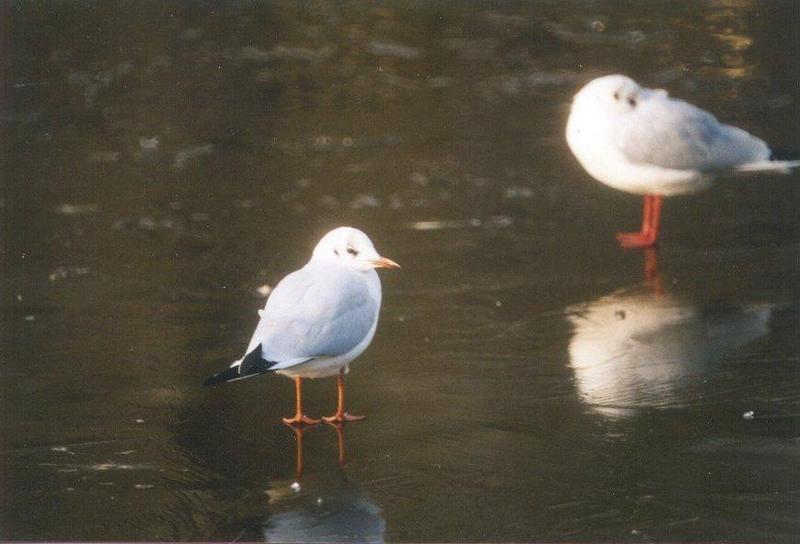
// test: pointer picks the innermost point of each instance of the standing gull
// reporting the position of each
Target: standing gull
(642, 141)
(318, 319)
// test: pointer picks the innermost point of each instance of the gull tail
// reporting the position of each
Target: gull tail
(251, 365)
(781, 161)
(775, 167)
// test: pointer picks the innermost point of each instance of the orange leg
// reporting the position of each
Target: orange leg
(299, 417)
(340, 415)
(651, 219)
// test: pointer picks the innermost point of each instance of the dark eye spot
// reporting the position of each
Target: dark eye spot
(336, 251)
(616, 95)
(352, 251)
(632, 102)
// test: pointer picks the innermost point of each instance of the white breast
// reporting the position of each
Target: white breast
(591, 143)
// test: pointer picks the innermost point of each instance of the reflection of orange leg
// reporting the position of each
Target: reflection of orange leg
(340, 415)
(651, 219)
(299, 418)
(651, 273)
(298, 436)
(340, 441)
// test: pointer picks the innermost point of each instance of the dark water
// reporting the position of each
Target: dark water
(163, 161)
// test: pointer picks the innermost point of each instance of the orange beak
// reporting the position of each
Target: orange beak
(383, 262)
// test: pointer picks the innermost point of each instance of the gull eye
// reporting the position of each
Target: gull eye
(632, 102)
(352, 251)
(616, 95)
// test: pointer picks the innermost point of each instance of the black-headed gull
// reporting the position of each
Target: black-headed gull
(642, 141)
(318, 319)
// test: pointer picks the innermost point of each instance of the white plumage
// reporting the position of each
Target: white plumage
(319, 318)
(635, 349)
(642, 141)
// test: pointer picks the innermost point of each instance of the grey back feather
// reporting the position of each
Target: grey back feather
(670, 133)
(320, 310)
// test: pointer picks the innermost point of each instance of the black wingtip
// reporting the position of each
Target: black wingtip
(252, 365)
(778, 154)
(230, 373)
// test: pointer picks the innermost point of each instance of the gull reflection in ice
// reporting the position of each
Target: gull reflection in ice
(640, 348)
(319, 510)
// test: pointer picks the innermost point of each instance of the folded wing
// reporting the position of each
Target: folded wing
(670, 133)
(320, 310)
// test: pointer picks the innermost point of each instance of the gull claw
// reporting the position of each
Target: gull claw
(342, 418)
(299, 420)
(636, 240)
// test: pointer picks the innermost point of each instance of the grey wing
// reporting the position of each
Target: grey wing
(671, 133)
(315, 313)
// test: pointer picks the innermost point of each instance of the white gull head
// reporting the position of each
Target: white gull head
(351, 248)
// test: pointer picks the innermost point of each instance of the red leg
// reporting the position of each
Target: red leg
(299, 417)
(655, 217)
(651, 217)
(647, 212)
(340, 415)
